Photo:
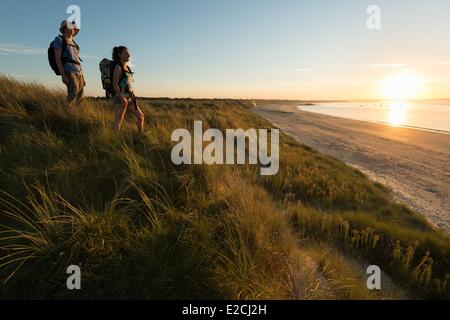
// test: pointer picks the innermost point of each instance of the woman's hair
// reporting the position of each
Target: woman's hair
(116, 52)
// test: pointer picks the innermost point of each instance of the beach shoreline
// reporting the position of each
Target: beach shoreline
(412, 162)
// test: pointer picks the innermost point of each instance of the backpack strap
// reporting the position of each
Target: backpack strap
(76, 44)
(124, 71)
(64, 47)
(64, 42)
(78, 48)
(127, 71)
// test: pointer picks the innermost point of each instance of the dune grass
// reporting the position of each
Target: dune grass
(73, 191)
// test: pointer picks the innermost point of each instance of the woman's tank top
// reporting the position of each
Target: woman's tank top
(126, 81)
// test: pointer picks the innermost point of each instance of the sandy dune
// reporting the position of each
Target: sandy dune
(414, 163)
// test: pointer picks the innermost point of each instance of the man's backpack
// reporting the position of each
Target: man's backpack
(52, 56)
(107, 73)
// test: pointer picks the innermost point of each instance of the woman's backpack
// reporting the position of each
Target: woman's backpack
(107, 74)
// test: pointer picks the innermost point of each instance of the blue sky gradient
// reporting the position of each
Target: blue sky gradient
(293, 49)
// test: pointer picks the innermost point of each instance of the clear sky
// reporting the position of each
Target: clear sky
(316, 49)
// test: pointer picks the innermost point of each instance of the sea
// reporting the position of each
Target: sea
(431, 115)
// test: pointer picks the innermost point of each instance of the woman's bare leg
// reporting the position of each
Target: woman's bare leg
(121, 109)
(139, 116)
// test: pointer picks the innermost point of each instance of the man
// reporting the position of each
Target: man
(68, 61)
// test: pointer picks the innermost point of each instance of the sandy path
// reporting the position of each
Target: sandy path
(414, 163)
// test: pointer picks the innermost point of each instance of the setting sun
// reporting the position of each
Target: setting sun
(402, 87)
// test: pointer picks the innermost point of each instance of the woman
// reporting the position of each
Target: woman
(122, 82)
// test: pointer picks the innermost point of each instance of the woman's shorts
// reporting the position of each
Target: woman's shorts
(117, 99)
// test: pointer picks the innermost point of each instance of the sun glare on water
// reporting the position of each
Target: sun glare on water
(397, 113)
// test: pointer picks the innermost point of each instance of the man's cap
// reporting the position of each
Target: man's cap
(69, 25)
